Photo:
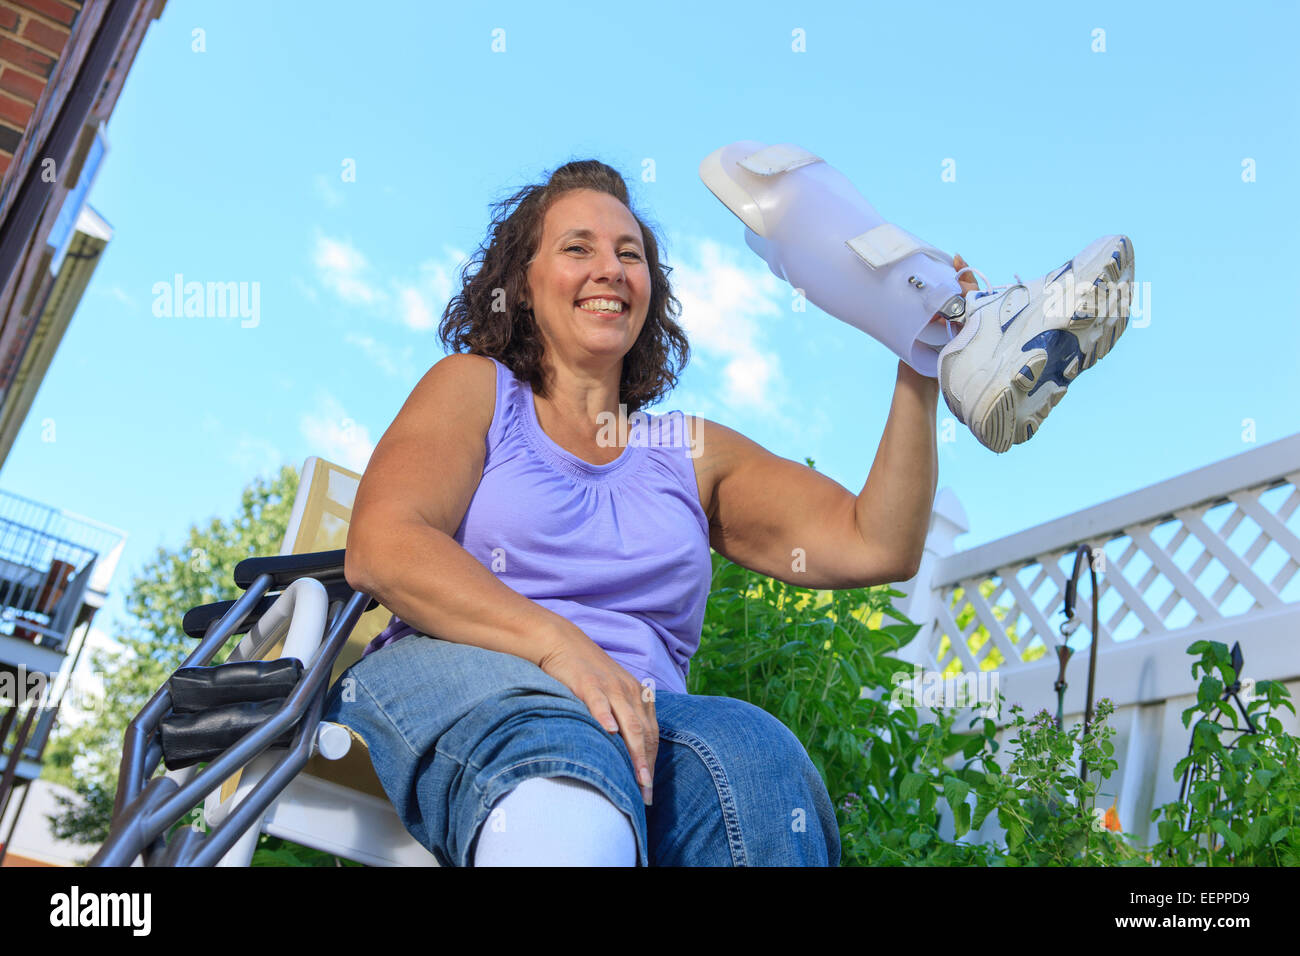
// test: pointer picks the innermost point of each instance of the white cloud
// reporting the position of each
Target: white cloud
(417, 300)
(724, 308)
(335, 436)
(442, 276)
(749, 378)
(343, 270)
(423, 301)
(416, 313)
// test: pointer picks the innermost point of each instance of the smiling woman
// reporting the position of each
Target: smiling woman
(494, 315)
(548, 585)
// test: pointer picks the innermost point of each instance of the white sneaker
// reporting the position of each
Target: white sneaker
(1021, 346)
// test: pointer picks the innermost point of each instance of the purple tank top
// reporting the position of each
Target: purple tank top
(621, 550)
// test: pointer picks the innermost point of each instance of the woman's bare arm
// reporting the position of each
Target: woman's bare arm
(787, 521)
(412, 498)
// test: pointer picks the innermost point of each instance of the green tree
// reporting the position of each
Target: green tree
(86, 757)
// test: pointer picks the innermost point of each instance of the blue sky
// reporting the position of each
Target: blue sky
(225, 165)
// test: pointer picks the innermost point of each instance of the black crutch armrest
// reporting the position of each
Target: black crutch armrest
(324, 566)
(197, 689)
(188, 739)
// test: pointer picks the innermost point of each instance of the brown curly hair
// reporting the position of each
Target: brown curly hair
(478, 321)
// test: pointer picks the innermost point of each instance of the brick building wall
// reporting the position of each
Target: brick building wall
(44, 46)
(34, 74)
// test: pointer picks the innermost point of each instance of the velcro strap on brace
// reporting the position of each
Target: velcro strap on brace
(888, 243)
(780, 158)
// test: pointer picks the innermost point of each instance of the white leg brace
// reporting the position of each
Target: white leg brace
(816, 231)
(555, 821)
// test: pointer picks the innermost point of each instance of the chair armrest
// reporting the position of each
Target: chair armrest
(197, 619)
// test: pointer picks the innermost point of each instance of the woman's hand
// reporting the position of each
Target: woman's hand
(618, 701)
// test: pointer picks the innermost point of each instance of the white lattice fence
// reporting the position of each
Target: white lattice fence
(1212, 554)
(1208, 564)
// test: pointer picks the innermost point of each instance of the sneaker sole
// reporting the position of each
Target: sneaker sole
(1054, 350)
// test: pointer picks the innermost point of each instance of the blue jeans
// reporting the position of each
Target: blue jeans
(452, 727)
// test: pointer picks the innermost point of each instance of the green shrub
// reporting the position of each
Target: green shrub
(1244, 796)
(807, 657)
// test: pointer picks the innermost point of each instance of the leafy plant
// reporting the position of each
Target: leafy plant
(1244, 795)
(1048, 812)
(822, 662)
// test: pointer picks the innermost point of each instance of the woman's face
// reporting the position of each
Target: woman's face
(590, 249)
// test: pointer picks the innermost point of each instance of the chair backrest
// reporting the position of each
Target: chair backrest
(319, 522)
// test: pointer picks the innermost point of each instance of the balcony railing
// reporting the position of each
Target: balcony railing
(47, 559)
(52, 564)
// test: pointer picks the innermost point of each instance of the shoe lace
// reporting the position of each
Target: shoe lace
(990, 286)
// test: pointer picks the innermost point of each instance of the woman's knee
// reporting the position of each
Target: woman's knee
(751, 734)
(767, 784)
(497, 748)
(555, 821)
